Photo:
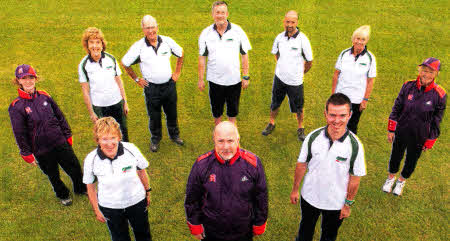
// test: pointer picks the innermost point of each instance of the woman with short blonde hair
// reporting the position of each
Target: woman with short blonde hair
(355, 73)
(122, 192)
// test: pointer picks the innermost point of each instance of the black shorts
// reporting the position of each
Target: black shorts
(294, 93)
(221, 94)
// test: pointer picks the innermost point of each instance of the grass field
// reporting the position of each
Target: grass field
(47, 34)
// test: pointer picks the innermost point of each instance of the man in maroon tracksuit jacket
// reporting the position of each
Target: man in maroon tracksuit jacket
(226, 193)
(414, 122)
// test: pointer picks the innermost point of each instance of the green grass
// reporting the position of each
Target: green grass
(47, 35)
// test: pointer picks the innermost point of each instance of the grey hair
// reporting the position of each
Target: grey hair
(148, 18)
(217, 3)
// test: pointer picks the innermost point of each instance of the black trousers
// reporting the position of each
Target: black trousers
(116, 112)
(165, 96)
(413, 150)
(64, 156)
(310, 214)
(118, 219)
(354, 120)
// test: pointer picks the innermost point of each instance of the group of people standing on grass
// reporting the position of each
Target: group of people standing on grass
(226, 192)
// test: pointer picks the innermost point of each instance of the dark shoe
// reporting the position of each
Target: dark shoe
(268, 130)
(66, 201)
(154, 146)
(301, 134)
(178, 141)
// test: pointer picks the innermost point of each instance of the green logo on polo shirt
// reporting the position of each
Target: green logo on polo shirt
(341, 159)
(109, 67)
(363, 64)
(294, 48)
(165, 52)
(125, 169)
(229, 40)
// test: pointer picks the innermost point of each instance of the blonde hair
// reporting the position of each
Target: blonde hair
(92, 33)
(363, 31)
(106, 125)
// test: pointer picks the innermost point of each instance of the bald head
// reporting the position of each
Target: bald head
(226, 127)
(291, 14)
(226, 140)
(148, 20)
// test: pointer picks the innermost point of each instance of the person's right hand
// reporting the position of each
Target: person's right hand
(390, 136)
(199, 236)
(34, 163)
(201, 85)
(94, 117)
(294, 197)
(142, 83)
(99, 216)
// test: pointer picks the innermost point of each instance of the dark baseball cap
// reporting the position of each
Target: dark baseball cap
(25, 70)
(432, 63)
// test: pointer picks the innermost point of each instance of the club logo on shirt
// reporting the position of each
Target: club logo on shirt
(244, 179)
(294, 48)
(28, 110)
(341, 159)
(428, 102)
(125, 169)
(363, 64)
(230, 40)
(109, 67)
(45, 103)
(212, 178)
(410, 97)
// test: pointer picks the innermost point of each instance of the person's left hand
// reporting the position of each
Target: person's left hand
(149, 198)
(175, 76)
(125, 108)
(363, 105)
(345, 212)
(245, 83)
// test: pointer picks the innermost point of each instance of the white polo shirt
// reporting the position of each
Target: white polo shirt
(153, 62)
(119, 185)
(329, 167)
(354, 73)
(293, 51)
(100, 75)
(223, 67)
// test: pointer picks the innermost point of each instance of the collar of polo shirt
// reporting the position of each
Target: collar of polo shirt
(228, 27)
(293, 36)
(360, 54)
(100, 60)
(103, 156)
(340, 139)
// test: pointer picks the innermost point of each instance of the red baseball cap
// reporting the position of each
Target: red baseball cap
(25, 70)
(432, 63)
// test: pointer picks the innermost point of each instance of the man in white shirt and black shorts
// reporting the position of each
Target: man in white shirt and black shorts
(221, 43)
(153, 55)
(294, 57)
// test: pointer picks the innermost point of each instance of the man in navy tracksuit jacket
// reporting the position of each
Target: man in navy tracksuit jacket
(44, 136)
(226, 193)
(414, 121)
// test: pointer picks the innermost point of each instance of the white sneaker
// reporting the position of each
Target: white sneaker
(387, 187)
(66, 202)
(398, 188)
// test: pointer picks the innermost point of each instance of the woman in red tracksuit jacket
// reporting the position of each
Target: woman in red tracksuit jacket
(43, 134)
(414, 122)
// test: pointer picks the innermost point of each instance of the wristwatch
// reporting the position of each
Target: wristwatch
(137, 79)
(246, 77)
(149, 189)
(349, 202)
